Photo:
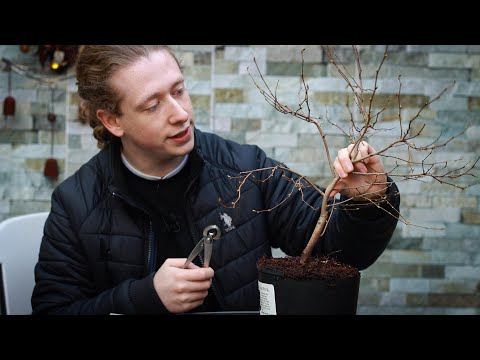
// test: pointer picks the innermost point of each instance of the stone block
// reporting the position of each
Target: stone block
(467, 88)
(449, 257)
(449, 200)
(368, 298)
(393, 298)
(244, 53)
(4, 206)
(229, 96)
(432, 271)
(437, 60)
(374, 284)
(462, 231)
(438, 48)
(404, 243)
(454, 300)
(462, 272)
(416, 299)
(408, 285)
(200, 102)
(270, 140)
(234, 136)
(327, 84)
(471, 245)
(409, 257)
(193, 48)
(444, 244)
(221, 124)
(392, 270)
(473, 49)
(198, 73)
(313, 169)
(246, 124)
(252, 67)
(462, 311)
(35, 164)
(461, 117)
(233, 82)
(294, 154)
(21, 207)
(293, 53)
(443, 215)
(199, 87)
(202, 58)
(473, 103)
(471, 217)
(240, 110)
(226, 67)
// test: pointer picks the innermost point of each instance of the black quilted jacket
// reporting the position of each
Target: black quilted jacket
(95, 256)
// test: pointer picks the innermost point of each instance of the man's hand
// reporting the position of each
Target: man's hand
(360, 187)
(179, 289)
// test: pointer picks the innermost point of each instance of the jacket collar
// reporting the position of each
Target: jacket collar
(113, 172)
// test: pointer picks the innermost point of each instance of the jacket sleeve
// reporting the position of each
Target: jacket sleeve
(356, 237)
(64, 283)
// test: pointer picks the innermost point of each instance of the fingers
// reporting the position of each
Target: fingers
(192, 296)
(199, 274)
(178, 263)
(344, 165)
(181, 289)
(191, 286)
(363, 152)
(339, 186)
(362, 174)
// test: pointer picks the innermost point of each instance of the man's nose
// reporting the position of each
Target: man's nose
(176, 111)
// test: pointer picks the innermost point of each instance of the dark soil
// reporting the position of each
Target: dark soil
(315, 268)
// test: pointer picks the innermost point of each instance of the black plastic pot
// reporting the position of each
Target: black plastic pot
(284, 296)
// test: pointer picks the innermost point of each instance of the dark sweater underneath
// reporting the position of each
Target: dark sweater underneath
(165, 201)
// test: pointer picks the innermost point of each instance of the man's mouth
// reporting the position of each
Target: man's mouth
(181, 134)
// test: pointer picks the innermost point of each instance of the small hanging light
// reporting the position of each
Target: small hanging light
(58, 60)
(24, 48)
(9, 102)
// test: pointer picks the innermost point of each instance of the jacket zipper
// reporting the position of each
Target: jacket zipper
(151, 238)
(151, 248)
(190, 228)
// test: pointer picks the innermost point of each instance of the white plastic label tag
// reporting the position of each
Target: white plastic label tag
(267, 299)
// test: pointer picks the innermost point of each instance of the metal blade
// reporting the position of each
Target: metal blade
(196, 250)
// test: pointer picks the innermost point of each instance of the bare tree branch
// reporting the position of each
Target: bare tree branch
(419, 159)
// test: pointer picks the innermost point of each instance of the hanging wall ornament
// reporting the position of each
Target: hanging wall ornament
(51, 165)
(9, 102)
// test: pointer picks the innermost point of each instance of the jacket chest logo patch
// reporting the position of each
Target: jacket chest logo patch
(227, 222)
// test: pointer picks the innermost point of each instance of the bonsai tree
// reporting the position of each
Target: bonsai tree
(412, 159)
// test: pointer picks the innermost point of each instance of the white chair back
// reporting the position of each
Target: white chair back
(20, 239)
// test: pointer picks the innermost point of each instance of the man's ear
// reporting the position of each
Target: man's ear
(110, 121)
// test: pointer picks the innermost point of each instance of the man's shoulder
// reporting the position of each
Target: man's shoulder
(86, 174)
(230, 153)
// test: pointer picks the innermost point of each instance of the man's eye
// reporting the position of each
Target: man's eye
(180, 91)
(153, 108)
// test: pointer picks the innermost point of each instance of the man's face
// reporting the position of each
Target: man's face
(157, 121)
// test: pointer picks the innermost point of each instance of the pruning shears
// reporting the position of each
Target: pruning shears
(210, 233)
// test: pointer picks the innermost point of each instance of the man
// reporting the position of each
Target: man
(121, 227)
